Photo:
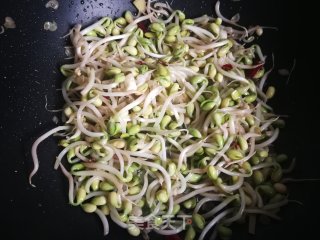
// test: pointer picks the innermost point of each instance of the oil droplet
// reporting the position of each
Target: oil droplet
(82, 2)
(101, 4)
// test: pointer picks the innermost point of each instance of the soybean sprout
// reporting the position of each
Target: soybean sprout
(166, 115)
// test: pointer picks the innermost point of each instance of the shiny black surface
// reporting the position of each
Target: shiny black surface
(29, 61)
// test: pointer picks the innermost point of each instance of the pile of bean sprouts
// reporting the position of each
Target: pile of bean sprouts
(168, 115)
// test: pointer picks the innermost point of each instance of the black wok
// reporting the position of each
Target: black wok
(29, 61)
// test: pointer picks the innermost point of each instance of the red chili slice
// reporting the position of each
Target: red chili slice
(173, 237)
(227, 67)
(250, 73)
(140, 63)
(143, 26)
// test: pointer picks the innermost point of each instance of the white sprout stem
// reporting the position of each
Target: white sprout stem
(239, 214)
(275, 205)
(65, 151)
(234, 187)
(90, 84)
(120, 160)
(35, 147)
(213, 222)
(183, 154)
(103, 174)
(183, 184)
(102, 166)
(99, 43)
(217, 9)
(201, 203)
(222, 151)
(93, 26)
(150, 188)
(210, 46)
(90, 181)
(262, 165)
(194, 193)
(199, 92)
(219, 207)
(94, 194)
(200, 31)
(153, 93)
(270, 140)
(231, 173)
(291, 166)
(143, 190)
(80, 123)
(230, 74)
(133, 104)
(119, 77)
(104, 221)
(160, 168)
(136, 21)
(165, 106)
(261, 211)
(71, 183)
(116, 218)
(153, 213)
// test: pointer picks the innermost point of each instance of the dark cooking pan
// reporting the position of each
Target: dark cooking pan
(29, 61)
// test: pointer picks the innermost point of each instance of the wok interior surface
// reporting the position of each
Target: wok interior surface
(29, 61)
